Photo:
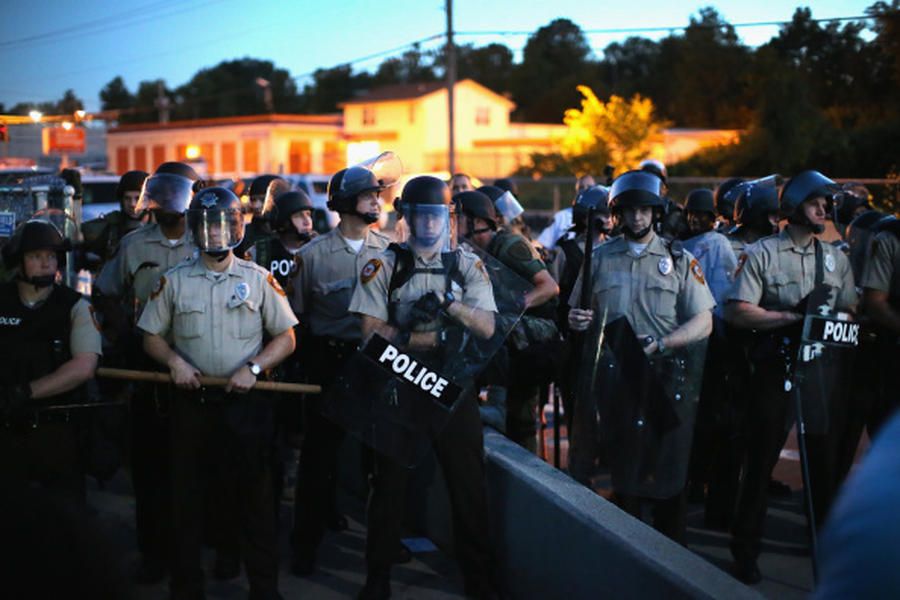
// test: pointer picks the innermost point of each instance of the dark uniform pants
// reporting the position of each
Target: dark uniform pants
(669, 514)
(315, 501)
(460, 451)
(767, 428)
(215, 447)
(47, 454)
(151, 470)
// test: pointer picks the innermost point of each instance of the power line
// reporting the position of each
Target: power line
(371, 56)
(105, 24)
(673, 27)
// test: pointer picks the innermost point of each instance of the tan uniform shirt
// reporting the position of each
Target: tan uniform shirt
(217, 319)
(882, 268)
(653, 290)
(85, 334)
(323, 286)
(776, 274)
(371, 294)
(143, 256)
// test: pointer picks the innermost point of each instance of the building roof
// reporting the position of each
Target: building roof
(411, 91)
(335, 119)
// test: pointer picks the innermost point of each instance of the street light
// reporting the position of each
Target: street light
(36, 115)
(67, 125)
(79, 115)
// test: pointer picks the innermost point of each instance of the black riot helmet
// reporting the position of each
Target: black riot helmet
(285, 205)
(651, 165)
(169, 189)
(724, 202)
(595, 197)
(132, 181)
(634, 189)
(854, 197)
(260, 185)
(216, 221)
(802, 187)
(430, 197)
(700, 200)
(754, 201)
(473, 204)
(375, 174)
(507, 185)
(35, 234)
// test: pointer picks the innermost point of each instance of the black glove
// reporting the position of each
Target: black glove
(15, 399)
(426, 308)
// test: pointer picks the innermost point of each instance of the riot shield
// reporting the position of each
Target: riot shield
(827, 344)
(397, 400)
(647, 407)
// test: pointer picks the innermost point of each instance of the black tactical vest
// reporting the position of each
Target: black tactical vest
(34, 341)
(275, 258)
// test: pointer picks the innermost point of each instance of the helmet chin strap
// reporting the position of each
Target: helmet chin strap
(40, 281)
(636, 235)
(803, 221)
(219, 255)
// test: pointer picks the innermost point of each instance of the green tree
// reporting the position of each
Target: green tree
(115, 95)
(332, 86)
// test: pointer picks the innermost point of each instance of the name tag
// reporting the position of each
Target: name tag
(409, 370)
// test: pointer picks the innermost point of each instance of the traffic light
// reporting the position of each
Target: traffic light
(4, 133)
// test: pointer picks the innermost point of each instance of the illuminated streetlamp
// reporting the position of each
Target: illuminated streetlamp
(66, 125)
(36, 115)
(192, 152)
(79, 115)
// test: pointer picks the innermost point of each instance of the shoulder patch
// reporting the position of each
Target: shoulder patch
(482, 269)
(275, 285)
(369, 270)
(740, 263)
(157, 289)
(697, 271)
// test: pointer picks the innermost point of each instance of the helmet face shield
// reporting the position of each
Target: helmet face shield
(386, 167)
(431, 226)
(166, 192)
(508, 206)
(216, 229)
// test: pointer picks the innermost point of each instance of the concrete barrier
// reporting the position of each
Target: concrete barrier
(554, 537)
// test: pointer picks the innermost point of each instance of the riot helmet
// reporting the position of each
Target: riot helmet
(215, 220)
(754, 202)
(476, 205)
(634, 189)
(700, 200)
(699, 212)
(425, 204)
(168, 191)
(597, 198)
(724, 202)
(285, 206)
(375, 174)
(504, 201)
(802, 187)
(651, 165)
(507, 185)
(855, 196)
(33, 235)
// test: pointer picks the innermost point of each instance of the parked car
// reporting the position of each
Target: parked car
(99, 196)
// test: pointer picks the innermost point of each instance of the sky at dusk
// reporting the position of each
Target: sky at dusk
(47, 47)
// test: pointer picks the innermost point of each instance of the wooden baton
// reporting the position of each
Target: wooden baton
(157, 377)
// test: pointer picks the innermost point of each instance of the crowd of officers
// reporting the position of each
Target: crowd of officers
(184, 286)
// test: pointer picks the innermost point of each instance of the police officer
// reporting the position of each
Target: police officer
(537, 326)
(259, 226)
(773, 276)
(102, 235)
(215, 308)
(122, 289)
(49, 347)
(323, 286)
(290, 216)
(709, 247)
(755, 209)
(881, 300)
(725, 204)
(389, 307)
(660, 289)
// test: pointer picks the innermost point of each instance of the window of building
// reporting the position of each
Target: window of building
(159, 156)
(368, 115)
(229, 160)
(207, 151)
(299, 157)
(140, 158)
(333, 158)
(122, 159)
(251, 156)
(181, 152)
(482, 115)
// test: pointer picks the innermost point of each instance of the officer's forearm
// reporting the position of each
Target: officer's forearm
(278, 348)
(159, 350)
(697, 328)
(880, 310)
(68, 376)
(545, 289)
(480, 322)
(750, 316)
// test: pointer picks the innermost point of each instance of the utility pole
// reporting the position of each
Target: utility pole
(162, 103)
(451, 83)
